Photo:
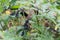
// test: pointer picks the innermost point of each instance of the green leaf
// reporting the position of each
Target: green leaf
(58, 7)
(16, 6)
(1, 8)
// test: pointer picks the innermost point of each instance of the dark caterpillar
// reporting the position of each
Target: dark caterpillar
(25, 28)
(22, 12)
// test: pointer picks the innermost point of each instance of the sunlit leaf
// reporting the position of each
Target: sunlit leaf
(52, 1)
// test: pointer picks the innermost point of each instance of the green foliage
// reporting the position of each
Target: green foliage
(47, 10)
